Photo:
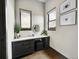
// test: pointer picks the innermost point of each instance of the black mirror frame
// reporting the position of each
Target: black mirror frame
(30, 20)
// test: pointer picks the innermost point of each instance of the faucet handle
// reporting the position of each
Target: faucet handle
(33, 35)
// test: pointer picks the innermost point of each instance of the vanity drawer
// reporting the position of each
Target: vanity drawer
(27, 42)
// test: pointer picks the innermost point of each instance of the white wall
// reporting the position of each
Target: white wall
(9, 26)
(37, 14)
(65, 38)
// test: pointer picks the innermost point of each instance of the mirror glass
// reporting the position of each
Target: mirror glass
(25, 19)
(52, 19)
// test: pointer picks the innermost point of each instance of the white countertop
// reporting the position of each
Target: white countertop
(27, 38)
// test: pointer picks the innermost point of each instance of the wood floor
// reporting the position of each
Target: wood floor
(45, 54)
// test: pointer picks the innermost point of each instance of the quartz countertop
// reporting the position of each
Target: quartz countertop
(28, 38)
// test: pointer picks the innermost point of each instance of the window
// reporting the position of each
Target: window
(52, 19)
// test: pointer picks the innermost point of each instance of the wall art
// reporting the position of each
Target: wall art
(68, 5)
(68, 19)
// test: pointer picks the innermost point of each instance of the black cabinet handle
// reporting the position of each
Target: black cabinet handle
(40, 39)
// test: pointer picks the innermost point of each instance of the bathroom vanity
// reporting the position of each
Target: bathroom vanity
(25, 46)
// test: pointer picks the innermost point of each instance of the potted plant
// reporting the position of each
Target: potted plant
(17, 30)
(44, 32)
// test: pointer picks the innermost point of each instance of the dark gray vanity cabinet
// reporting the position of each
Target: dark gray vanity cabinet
(22, 48)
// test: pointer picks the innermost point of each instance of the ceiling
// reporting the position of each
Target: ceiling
(42, 1)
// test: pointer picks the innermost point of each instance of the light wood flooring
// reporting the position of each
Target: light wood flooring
(45, 54)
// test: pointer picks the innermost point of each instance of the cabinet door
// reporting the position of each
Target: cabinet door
(22, 48)
(16, 50)
(2, 30)
(46, 42)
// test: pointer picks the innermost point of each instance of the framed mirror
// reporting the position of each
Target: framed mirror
(52, 19)
(25, 19)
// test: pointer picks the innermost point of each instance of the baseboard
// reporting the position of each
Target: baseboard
(58, 52)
